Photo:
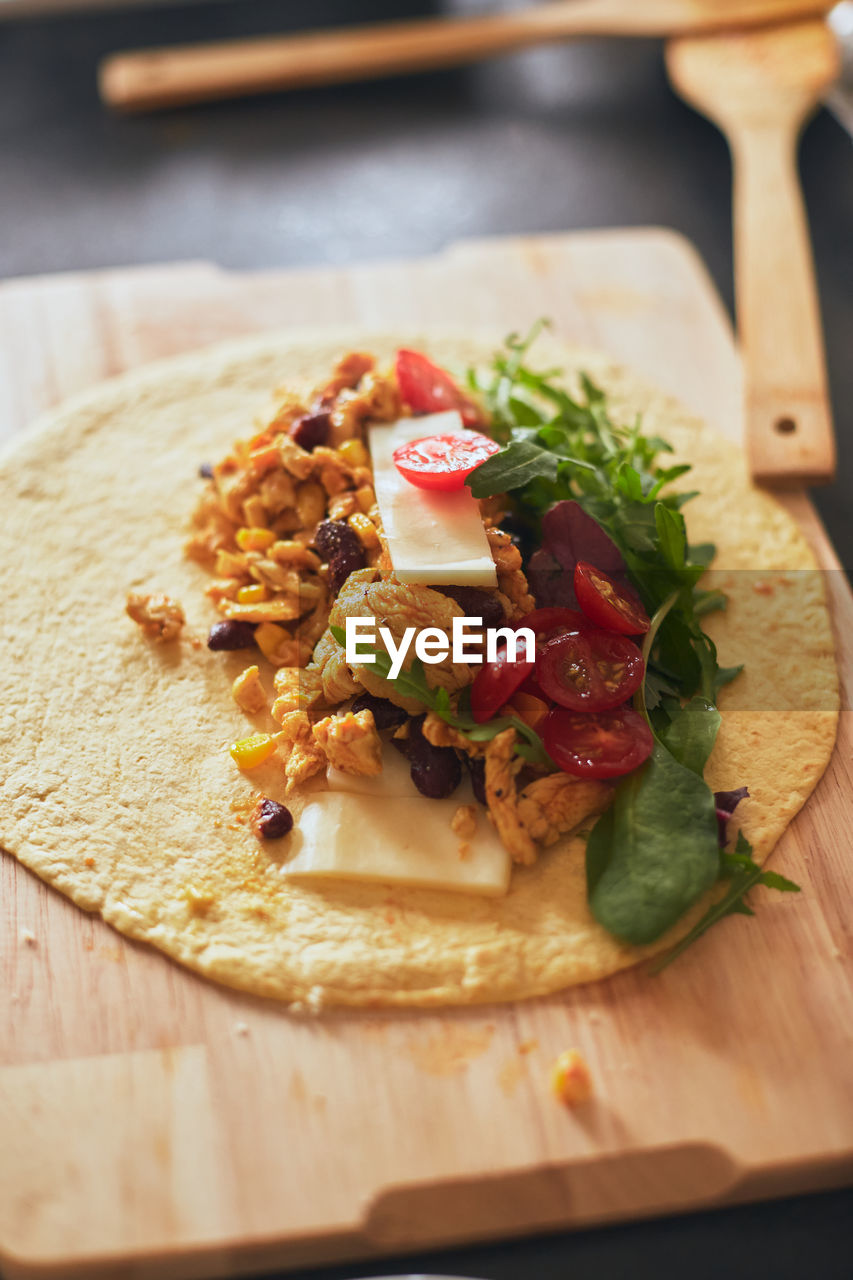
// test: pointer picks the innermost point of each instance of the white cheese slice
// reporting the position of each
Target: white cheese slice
(401, 841)
(432, 537)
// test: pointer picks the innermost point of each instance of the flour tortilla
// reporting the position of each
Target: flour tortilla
(118, 789)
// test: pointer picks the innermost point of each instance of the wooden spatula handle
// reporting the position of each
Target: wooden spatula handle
(151, 78)
(788, 419)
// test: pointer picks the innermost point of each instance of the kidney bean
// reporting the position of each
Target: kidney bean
(335, 535)
(435, 771)
(271, 820)
(385, 714)
(231, 634)
(341, 565)
(311, 430)
(338, 544)
(477, 603)
(477, 769)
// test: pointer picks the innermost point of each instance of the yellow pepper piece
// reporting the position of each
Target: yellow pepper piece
(571, 1082)
(254, 539)
(268, 637)
(365, 530)
(252, 751)
(254, 594)
(354, 453)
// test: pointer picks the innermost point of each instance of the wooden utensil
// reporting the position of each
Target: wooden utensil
(153, 78)
(759, 89)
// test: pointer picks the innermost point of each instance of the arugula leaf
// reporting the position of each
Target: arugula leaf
(654, 852)
(744, 873)
(561, 447)
(516, 464)
(412, 683)
(671, 535)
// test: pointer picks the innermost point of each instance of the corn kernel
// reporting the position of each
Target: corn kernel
(570, 1078)
(268, 638)
(254, 539)
(354, 453)
(252, 751)
(365, 497)
(366, 531)
(310, 503)
(254, 594)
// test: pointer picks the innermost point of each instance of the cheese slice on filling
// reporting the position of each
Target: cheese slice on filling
(432, 537)
(382, 829)
(398, 840)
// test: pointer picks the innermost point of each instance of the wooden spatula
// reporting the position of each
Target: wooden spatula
(150, 78)
(759, 88)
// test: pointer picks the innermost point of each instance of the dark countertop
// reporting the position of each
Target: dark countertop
(563, 138)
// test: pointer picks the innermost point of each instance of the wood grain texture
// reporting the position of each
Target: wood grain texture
(153, 1124)
(760, 87)
(149, 79)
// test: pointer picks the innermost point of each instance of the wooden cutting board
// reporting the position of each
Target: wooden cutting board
(151, 1123)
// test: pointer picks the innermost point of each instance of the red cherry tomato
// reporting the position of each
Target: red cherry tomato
(426, 388)
(443, 462)
(590, 670)
(604, 745)
(495, 683)
(532, 686)
(606, 603)
(549, 623)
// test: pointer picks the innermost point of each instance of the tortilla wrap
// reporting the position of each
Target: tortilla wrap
(118, 789)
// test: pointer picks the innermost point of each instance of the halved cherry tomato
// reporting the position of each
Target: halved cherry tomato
(531, 685)
(604, 745)
(590, 670)
(606, 603)
(546, 624)
(426, 388)
(495, 683)
(443, 462)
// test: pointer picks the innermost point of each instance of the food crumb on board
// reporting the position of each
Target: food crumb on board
(241, 1028)
(27, 938)
(571, 1081)
(160, 617)
(528, 1046)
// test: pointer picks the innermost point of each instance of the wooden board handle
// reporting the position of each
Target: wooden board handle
(156, 78)
(789, 432)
